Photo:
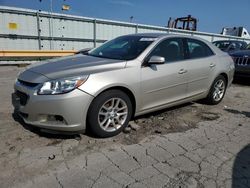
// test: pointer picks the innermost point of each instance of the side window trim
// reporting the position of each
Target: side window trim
(146, 58)
(185, 48)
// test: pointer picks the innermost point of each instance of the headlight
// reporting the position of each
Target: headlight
(61, 86)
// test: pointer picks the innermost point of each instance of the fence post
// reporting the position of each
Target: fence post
(212, 39)
(136, 28)
(38, 31)
(94, 32)
(168, 30)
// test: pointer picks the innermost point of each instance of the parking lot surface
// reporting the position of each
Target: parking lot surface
(193, 145)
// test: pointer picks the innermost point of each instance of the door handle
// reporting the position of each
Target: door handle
(212, 65)
(182, 71)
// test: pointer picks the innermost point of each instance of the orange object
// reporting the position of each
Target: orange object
(36, 53)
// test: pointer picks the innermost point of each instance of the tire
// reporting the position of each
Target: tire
(109, 113)
(217, 90)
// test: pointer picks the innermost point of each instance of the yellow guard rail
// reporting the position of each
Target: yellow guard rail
(36, 53)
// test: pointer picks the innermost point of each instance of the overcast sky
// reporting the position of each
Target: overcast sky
(212, 14)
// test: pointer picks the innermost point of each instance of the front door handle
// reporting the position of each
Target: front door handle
(182, 71)
(212, 65)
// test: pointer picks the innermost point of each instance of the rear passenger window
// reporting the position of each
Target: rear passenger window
(198, 49)
(171, 49)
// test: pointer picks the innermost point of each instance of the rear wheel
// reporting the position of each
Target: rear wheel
(109, 113)
(217, 91)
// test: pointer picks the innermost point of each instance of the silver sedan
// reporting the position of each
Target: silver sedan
(128, 76)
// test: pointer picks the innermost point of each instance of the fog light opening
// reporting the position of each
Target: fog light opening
(24, 115)
(59, 118)
(52, 119)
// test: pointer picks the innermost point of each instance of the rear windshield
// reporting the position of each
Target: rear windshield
(123, 48)
(230, 45)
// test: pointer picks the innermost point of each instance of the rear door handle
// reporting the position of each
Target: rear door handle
(212, 65)
(182, 71)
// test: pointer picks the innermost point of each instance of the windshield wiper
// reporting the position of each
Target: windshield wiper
(106, 57)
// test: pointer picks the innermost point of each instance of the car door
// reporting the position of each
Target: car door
(164, 83)
(200, 66)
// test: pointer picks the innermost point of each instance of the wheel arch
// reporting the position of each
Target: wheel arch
(124, 89)
(220, 74)
(225, 76)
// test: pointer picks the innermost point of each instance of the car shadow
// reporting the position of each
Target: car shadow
(242, 81)
(165, 110)
(233, 111)
(66, 135)
(241, 168)
(43, 132)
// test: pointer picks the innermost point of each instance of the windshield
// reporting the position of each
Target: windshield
(222, 45)
(248, 47)
(123, 48)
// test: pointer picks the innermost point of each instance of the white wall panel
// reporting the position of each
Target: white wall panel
(107, 31)
(72, 29)
(18, 44)
(25, 25)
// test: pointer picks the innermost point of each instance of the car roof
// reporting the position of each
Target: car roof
(162, 35)
(230, 41)
(156, 35)
(165, 35)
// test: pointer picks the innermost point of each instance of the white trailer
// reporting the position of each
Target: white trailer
(236, 31)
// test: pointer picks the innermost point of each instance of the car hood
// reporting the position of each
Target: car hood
(69, 66)
(241, 53)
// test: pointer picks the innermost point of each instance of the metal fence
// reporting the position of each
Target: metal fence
(24, 29)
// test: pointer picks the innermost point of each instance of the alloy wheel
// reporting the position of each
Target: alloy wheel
(112, 114)
(219, 89)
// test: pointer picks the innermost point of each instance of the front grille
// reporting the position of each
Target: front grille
(23, 97)
(241, 61)
(29, 84)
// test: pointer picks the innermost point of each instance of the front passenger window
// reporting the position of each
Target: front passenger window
(170, 49)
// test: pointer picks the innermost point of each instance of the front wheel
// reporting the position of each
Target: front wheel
(109, 113)
(217, 91)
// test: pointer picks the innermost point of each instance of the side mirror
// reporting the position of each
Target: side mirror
(156, 60)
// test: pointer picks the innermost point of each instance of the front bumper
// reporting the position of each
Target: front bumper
(65, 112)
(242, 66)
(242, 71)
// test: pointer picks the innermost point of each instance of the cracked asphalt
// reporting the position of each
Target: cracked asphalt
(193, 145)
